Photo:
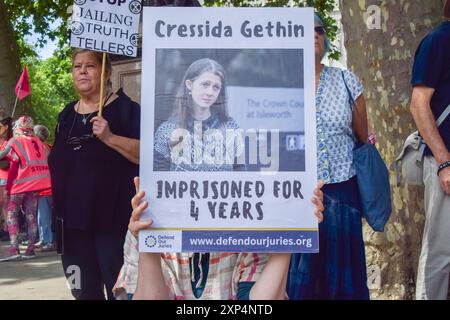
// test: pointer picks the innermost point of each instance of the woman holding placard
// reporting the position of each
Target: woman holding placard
(338, 271)
(92, 163)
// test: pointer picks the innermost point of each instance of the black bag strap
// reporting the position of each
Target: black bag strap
(62, 117)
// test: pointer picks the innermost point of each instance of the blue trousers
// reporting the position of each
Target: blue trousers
(45, 219)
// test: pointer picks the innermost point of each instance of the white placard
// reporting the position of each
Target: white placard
(109, 26)
(243, 178)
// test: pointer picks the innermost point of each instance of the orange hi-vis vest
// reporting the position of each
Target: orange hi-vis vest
(3, 173)
(33, 172)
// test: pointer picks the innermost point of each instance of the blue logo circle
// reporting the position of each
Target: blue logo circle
(150, 241)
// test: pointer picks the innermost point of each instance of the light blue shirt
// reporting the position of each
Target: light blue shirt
(335, 140)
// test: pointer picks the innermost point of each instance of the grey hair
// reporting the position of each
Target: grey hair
(41, 132)
(327, 44)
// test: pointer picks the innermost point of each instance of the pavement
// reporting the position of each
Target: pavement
(41, 278)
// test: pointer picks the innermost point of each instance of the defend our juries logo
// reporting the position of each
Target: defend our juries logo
(150, 241)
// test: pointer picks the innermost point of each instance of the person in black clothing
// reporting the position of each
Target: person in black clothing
(92, 165)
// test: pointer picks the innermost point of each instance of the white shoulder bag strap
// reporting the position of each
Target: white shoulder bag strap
(443, 116)
(422, 147)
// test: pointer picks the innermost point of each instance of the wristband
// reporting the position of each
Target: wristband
(446, 164)
(372, 139)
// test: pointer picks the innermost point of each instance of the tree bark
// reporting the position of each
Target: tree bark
(9, 63)
(382, 58)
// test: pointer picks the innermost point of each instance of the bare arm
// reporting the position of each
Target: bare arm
(426, 124)
(149, 267)
(150, 284)
(127, 147)
(271, 284)
(360, 119)
(4, 152)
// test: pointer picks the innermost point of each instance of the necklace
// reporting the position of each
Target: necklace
(86, 118)
(77, 141)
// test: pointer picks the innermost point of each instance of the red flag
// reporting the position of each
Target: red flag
(23, 88)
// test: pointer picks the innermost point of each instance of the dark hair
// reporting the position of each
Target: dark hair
(7, 122)
(183, 100)
(99, 57)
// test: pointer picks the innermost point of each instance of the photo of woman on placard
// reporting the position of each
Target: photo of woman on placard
(194, 138)
(263, 94)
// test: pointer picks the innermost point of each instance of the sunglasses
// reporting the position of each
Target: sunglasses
(78, 142)
(320, 30)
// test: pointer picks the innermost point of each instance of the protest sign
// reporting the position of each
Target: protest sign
(109, 26)
(228, 141)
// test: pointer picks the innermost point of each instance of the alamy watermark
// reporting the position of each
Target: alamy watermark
(216, 147)
(372, 17)
(73, 275)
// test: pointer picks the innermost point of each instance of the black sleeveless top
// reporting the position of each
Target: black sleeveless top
(92, 183)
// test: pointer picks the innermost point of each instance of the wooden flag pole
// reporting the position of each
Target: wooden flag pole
(102, 86)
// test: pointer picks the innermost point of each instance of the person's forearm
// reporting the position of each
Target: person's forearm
(127, 147)
(150, 284)
(4, 152)
(271, 284)
(426, 124)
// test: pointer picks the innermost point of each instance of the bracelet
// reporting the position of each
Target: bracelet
(443, 166)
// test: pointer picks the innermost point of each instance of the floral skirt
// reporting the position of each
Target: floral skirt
(338, 271)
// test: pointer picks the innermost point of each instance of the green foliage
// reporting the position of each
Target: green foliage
(44, 13)
(28, 16)
(50, 79)
(323, 8)
(51, 88)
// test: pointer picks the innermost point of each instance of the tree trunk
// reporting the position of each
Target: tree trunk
(9, 62)
(382, 58)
